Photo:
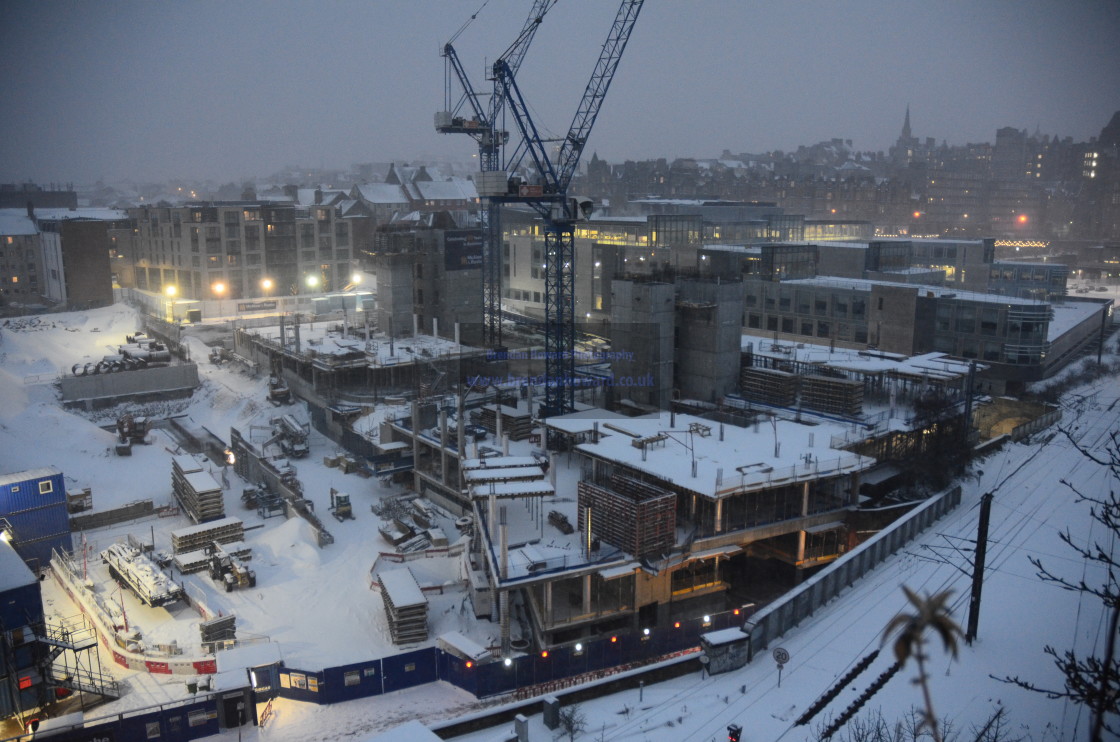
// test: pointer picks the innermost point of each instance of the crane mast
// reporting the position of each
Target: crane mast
(550, 200)
(483, 128)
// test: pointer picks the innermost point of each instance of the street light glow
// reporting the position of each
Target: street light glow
(170, 289)
(312, 281)
(219, 288)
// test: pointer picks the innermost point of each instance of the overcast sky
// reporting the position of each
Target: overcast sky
(230, 90)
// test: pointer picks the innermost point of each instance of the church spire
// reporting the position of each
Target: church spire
(906, 124)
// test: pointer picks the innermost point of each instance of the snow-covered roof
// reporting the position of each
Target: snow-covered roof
(14, 572)
(933, 364)
(16, 223)
(90, 213)
(724, 636)
(29, 474)
(382, 193)
(1068, 315)
(245, 656)
(943, 292)
(456, 643)
(746, 460)
(446, 190)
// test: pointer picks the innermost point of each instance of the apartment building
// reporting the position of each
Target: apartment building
(58, 257)
(242, 249)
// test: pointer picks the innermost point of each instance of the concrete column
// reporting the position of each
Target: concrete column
(416, 445)
(443, 447)
(719, 516)
(547, 607)
(586, 594)
(503, 597)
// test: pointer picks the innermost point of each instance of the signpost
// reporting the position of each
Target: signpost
(781, 656)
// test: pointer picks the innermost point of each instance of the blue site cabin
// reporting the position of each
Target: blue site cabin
(33, 502)
(21, 612)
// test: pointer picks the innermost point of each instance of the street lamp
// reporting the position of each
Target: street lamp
(313, 282)
(219, 290)
(266, 284)
(169, 291)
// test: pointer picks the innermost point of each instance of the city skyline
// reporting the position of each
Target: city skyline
(129, 91)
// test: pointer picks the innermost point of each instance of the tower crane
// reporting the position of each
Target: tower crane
(483, 127)
(549, 198)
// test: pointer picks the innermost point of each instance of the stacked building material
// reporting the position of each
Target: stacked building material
(193, 538)
(516, 424)
(405, 606)
(834, 395)
(769, 386)
(197, 492)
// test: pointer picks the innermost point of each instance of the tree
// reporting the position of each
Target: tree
(930, 612)
(874, 727)
(1090, 680)
(573, 721)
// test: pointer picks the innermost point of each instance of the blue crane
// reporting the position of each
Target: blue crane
(549, 198)
(483, 126)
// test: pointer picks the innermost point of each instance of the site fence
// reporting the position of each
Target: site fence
(607, 654)
(131, 511)
(182, 721)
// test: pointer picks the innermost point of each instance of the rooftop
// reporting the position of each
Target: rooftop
(716, 461)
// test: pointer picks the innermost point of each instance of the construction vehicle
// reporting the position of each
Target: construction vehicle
(291, 435)
(132, 428)
(227, 571)
(131, 567)
(340, 506)
(278, 391)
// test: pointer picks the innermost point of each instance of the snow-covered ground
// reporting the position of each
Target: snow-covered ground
(318, 606)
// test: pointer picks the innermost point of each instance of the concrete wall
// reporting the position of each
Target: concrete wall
(394, 293)
(642, 329)
(890, 318)
(709, 326)
(841, 260)
(108, 387)
(85, 259)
